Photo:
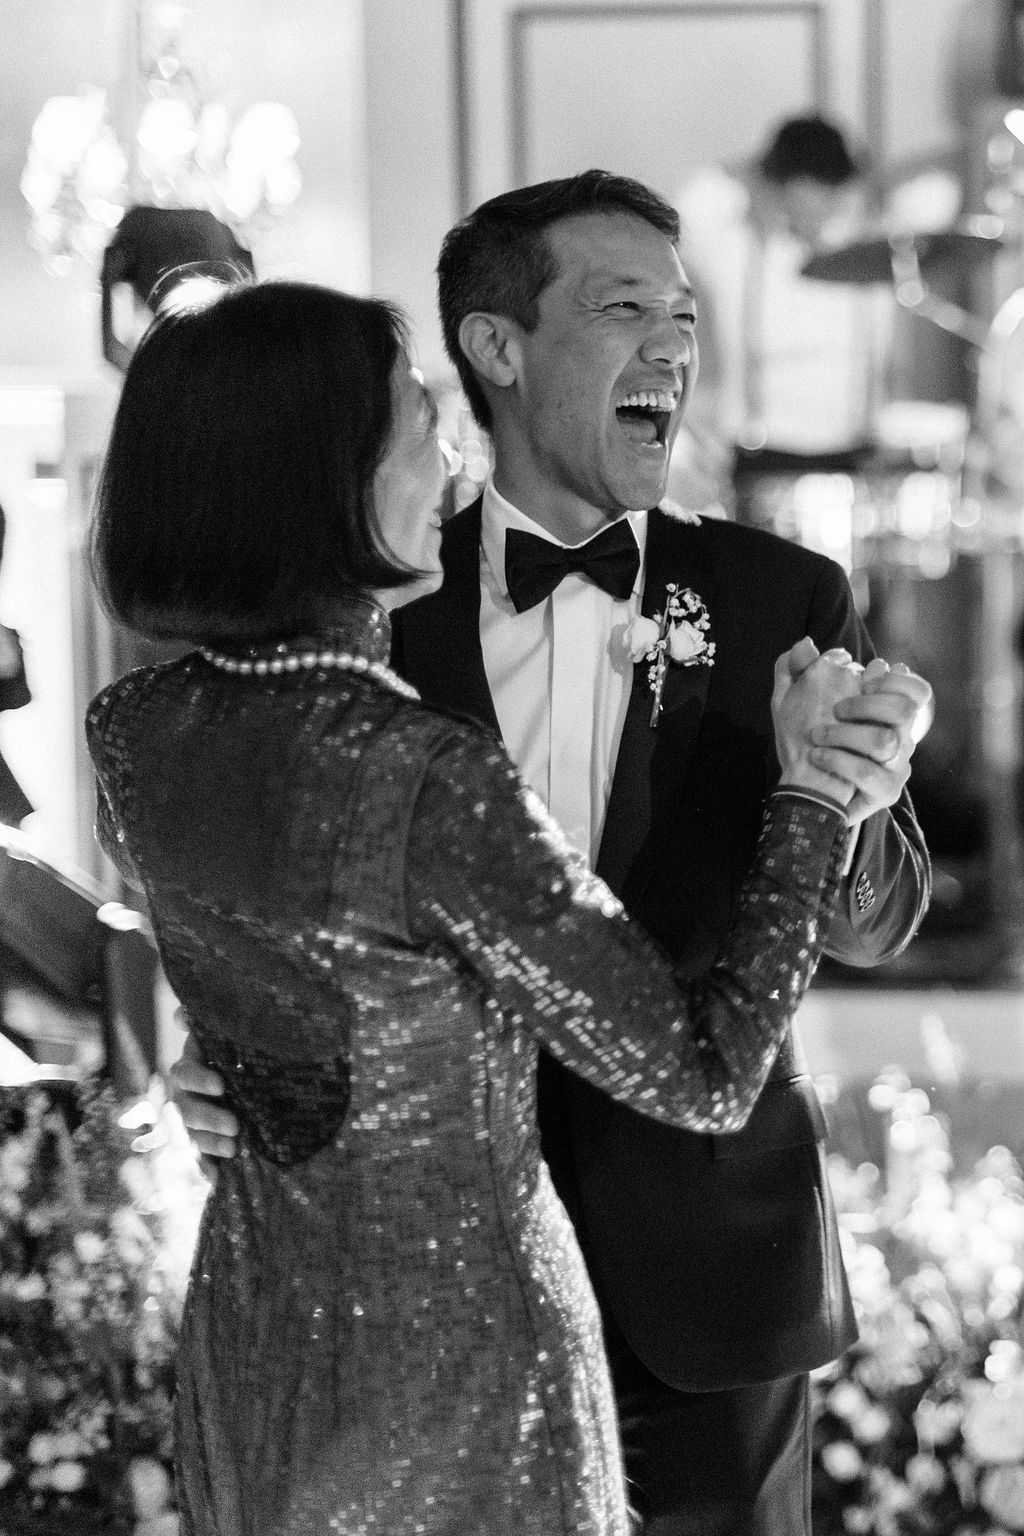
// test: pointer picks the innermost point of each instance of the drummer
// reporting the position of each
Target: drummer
(791, 368)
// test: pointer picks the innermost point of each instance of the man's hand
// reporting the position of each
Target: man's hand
(875, 731)
(807, 689)
(10, 660)
(212, 1127)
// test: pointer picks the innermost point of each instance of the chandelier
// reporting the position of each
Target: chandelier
(184, 150)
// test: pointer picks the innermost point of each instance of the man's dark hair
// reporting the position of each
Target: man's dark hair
(499, 260)
(812, 147)
(236, 496)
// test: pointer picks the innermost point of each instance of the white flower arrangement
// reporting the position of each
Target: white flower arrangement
(678, 634)
(919, 1429)
(97, 1228)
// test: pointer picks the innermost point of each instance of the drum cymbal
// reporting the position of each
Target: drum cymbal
(870, 261)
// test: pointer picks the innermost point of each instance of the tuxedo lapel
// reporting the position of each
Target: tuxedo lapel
(652, 763)
(440, 635)
(629, 803)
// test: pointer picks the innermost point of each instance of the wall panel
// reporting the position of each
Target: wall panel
(702, 81)
(649, 88)
(915, 98)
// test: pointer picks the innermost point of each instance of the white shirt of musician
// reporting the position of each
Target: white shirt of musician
(799, 361)
(559, 676)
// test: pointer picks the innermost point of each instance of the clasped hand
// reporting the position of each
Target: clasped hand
(848, 730)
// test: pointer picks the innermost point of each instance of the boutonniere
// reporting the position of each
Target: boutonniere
(678, 634)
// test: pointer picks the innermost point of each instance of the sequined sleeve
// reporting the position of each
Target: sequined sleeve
(108, 833)
(491, 877)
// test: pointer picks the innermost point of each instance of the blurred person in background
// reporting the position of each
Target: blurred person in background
(14, 693)
(791, 367)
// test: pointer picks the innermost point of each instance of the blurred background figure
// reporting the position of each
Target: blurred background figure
(790, 367)
(14, 804)
(154, 250)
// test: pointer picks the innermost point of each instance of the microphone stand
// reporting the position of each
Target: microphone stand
(913, 293)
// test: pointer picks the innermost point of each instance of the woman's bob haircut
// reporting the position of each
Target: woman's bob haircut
(236, 500)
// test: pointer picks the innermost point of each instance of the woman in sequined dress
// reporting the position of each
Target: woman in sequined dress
(372, 924)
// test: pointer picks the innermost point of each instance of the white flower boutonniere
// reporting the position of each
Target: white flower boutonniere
(678, 634)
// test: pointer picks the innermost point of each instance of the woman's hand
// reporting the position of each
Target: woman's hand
(10, 656)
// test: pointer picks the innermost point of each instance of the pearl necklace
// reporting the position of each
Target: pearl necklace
(283, 660)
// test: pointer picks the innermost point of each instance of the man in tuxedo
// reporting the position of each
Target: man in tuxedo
(716, 1260)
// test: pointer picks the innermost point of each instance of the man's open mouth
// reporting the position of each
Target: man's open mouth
(645, 414)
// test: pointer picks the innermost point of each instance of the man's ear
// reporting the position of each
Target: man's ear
(491, 345)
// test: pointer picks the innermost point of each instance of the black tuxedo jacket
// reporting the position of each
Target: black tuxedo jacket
(13, 694)
(718, 1256)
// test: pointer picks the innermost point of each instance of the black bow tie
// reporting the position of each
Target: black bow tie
(535, 566)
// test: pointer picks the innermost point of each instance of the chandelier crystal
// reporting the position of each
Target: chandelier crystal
(185, 151)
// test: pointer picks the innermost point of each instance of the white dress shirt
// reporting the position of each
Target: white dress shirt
(559, 675)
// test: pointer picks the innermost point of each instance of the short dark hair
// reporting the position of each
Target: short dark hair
(812, 147)
(499, 260)
(235, 500)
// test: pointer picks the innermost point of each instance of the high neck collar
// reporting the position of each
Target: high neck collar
(356, 626)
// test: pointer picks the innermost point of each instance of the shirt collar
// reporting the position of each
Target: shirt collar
(497, 514)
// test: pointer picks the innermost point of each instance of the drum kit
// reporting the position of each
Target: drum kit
(878, 259)
(934, 524)
(936, 477)
(994, 457)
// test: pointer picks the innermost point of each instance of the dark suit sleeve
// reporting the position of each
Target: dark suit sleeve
(886, 893)
(14, 687)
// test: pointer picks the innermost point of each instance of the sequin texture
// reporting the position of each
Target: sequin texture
(389, 1327)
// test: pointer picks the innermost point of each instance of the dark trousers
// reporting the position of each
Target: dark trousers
(733, 1463)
